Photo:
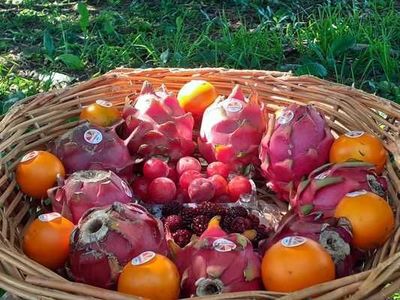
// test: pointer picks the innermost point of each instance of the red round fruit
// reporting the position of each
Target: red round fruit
(238, 185)
(201, 190)
(140, 187)
(154, 168)
(188, 163)
(187, 177)
(220, 185)
(218, 168)
(161, 190)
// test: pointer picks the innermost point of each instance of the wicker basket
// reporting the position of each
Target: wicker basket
(38, 119)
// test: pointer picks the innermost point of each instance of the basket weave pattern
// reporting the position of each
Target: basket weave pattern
(36, 120)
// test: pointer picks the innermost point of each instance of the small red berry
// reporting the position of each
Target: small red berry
(201, 190)
(187, 177)
(238, 185)
(188, 163)
(218, 168)
(140, 187)
(220, 185)
(154, 168)
(161, 190)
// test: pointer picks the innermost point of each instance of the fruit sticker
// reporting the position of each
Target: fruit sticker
(143, 258)
(356, 193)
(285, 117)
(29, 156)
(104, 103)
(232, 106)
(223, 245)
(93, 136)
(49, 217)
(126, 188)
(354, 134)
(293, 241)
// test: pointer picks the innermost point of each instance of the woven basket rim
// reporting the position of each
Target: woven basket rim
(44, 114)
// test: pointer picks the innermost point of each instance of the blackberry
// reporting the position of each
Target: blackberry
(173, 223)
(200, 224)
(188, 214)
(172, 208)
(240, 225)
(182, 237)
(262, 233)
(238, 211)
(226, 222)
(255, 221)
(211, 209)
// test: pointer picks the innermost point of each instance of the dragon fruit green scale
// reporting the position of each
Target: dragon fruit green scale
(231, 130)
(299, 143)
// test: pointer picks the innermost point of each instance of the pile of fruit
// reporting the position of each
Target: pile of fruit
(172, 196)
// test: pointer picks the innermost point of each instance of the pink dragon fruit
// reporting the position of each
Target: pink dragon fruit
(107, 238)
(232, 129)
(86, 189)
(299, 142)
(158, 124)
(335, 235)
(218, 263)
(90, 147)
(327, 185)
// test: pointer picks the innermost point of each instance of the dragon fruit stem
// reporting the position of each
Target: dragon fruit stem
(95, 230)
(206, 286)
(147, 88)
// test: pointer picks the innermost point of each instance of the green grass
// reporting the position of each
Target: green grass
(351, 42)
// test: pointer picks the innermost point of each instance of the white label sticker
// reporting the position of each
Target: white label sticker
(49, 217)
(293, 241)
(223, 245)
(356, 193)
(29, 156)
(104, 103)
(233, 106)
(354, 134)
(126, 188)
(285, 117)
(93, 136)
(143, 258)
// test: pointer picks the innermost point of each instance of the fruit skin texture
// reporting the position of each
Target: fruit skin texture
(100, 115)
(195, 96)
(232, 129)
(157, 279)
(366, 147)
(371, 218)
(107, 238)
(188, 163)
(154, 168)
(238, 186)
(48, 242)
(86, 189)
(77, 154)
(158, 125)
(201, 190)
(298, 143)
(327, 185)
(161, 190)
(37, 175)
(206, 271)
(290, 269)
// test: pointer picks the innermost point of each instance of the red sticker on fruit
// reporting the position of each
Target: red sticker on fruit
(49, 217)
(127, 190)
(354, 134)
(285, 117)
(29, 156)
(356, 193)
(143, 258)
(232, 106)
(104, 103)
(293, 241)
(93, 136)
(223, 245)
